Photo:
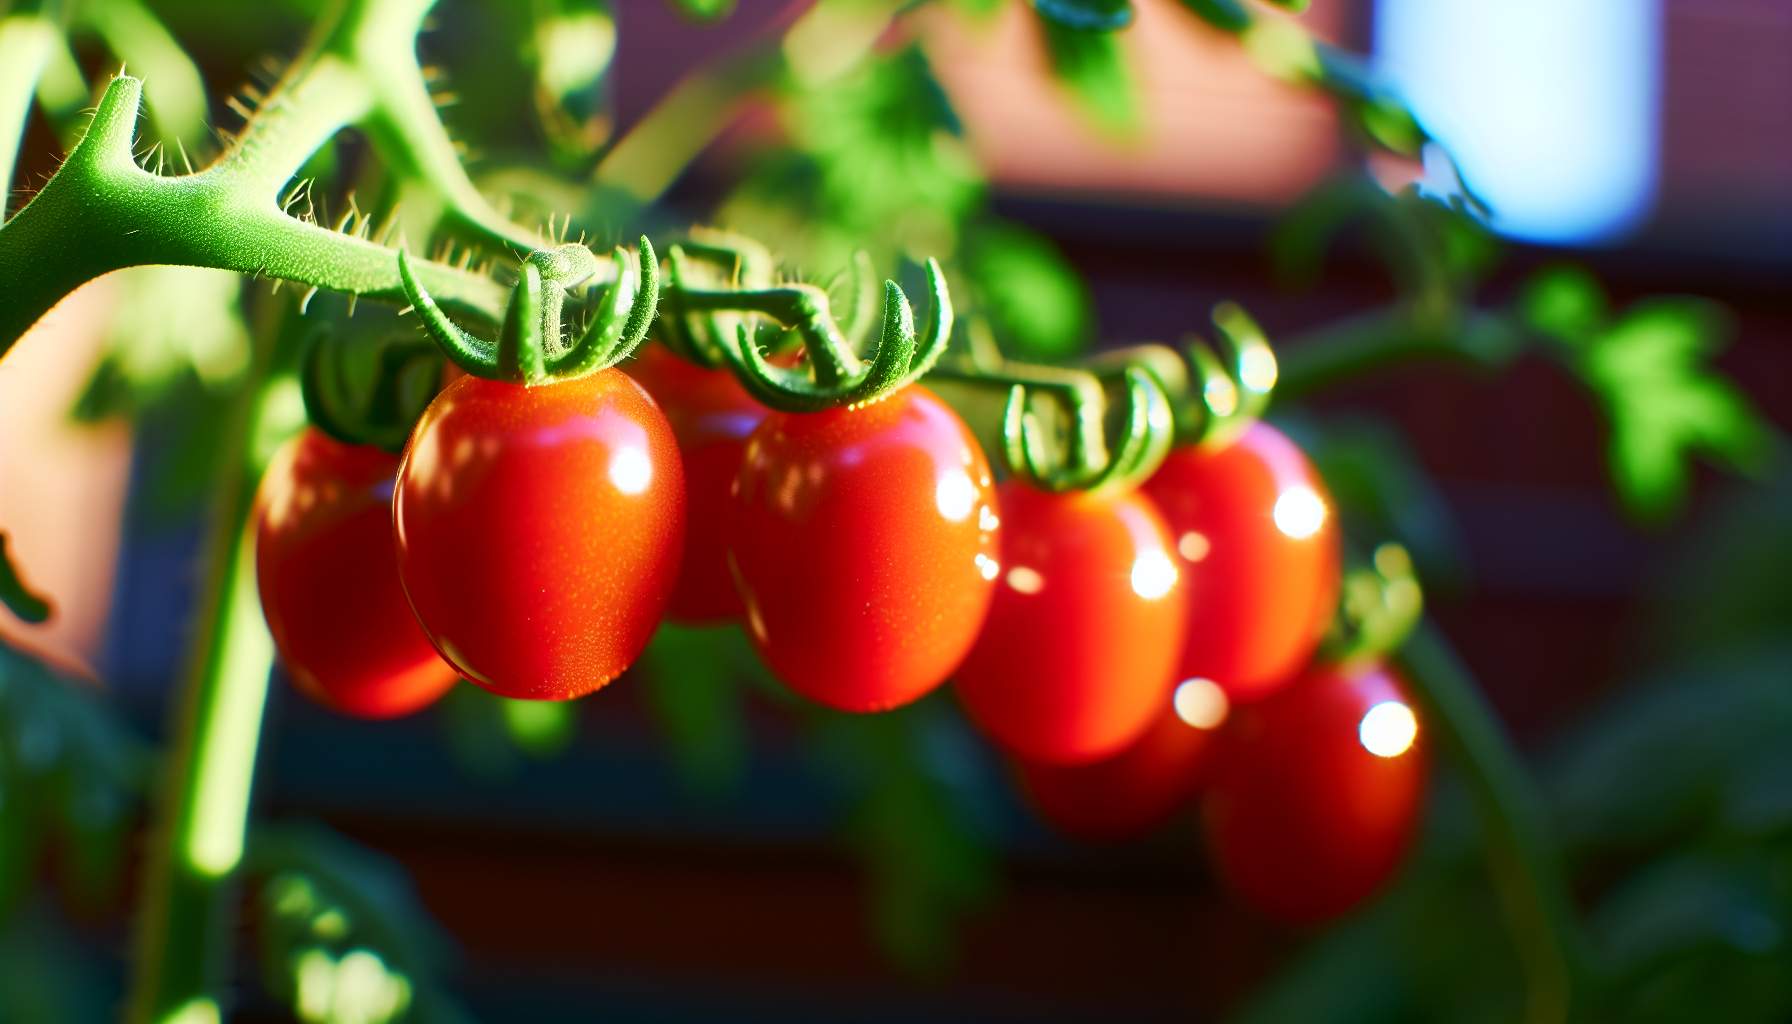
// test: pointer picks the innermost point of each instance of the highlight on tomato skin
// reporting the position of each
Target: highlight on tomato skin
(327, 571)
(864, 542)
(539, 530)
(1079, 651)
(1138, 790)
(711, 416)
(1316, 793)
(1256, 537)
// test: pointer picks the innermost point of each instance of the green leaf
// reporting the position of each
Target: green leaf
(1563, 301)
(343, 936)
(692, 685)
(1093, 67)
(704, 10)
(15, 593)
(929, 865)
(1036, 302)
(1664, 404)
(1225, 15)
(1087, 15)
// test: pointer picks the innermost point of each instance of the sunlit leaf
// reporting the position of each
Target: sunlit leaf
(1093, 68)
(1565, 301)
(704, 10)
(342, 934)
(1036, 302)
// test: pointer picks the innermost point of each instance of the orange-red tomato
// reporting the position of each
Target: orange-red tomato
(1316, 791)
(1084, 636)
(328, 575)
(711, 415)
(864, 544)
(539, 530)
(1143, 786)
(1254, 533)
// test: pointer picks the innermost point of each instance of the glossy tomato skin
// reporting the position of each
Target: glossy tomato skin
(1130, 793)
(1083, 638)
(1256, 538)
(1304, 821)
(711, 415)
(864, 543)
(539, 530)
(327, 571)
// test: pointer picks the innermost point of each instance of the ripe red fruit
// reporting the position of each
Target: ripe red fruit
(1254, 533)
(1316, 792)
(1079, 652)
(539, 530)
(711, 415)
(1143, 786)
(328, 575)
(864, 544)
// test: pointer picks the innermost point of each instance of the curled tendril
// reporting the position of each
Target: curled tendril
(530, 348)
(1214, 394)
(379, 411)
(1081, 457)
(1378, 608)
(15, 594)
(1230, 391)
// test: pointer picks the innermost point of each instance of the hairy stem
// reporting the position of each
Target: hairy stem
(1523, 858)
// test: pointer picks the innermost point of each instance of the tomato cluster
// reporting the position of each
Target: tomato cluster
(532, 538)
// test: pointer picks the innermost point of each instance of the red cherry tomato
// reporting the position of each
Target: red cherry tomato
(711, 415)
(1316, 792)
(328, 574)
(1082, 641)
(1140, 788)
(864, 544)
(1256, 538)
(539, 530)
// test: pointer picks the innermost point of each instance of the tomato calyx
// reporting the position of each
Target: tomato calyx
(832, 373)
(1379, 606)
(530, 349)
(1056, 424)
(1215, 395)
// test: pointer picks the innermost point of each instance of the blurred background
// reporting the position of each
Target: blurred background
(684, 847)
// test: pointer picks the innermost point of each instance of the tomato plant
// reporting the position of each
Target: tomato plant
(864, 541)
(1136, 790)
(1255, 534)
(539, 529)
(711, 416)
(1316, 792)
(1086, 628)
(327, 571)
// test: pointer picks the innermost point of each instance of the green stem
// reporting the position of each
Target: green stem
(1526, 866)
(187, 930)
(1403, 333)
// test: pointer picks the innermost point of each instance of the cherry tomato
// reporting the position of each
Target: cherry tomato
(864, 544)
(328, 574)
(1316, 792)
(1083, 638)
(539, 530)
(1256, 539)
(711, 415)
(1140, 788)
